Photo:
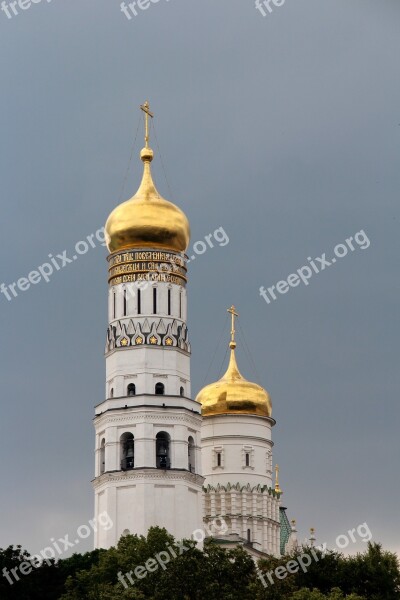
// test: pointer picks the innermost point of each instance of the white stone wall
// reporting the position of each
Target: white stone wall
(234, 436)
(137, 499)
(144, 496)
(238, 489)
(178, 302)
(145, 366)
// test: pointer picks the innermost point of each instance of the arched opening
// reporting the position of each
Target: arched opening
(191, 455)
(103, 456)
(131, 390)
(219, 459)
(160, 389)
(114, 306)
(163, 442)
(182, 391)
(127, 451)
(249, 536)
(125, 303)
(112, 393)
(139, 302)
(169, 301)
(154, 300)
(247, 459)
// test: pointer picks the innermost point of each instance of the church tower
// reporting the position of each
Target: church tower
(237, 462)
(148, 458)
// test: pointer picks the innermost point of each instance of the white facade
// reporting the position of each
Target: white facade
(237, 465)
(151, 439)
(148, 458)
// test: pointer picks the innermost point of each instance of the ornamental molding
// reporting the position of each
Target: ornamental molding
(247, 517)
(156, 475)
(242, 489)
(148, 418)
(128, 333)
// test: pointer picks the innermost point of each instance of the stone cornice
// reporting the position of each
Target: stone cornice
(146, 474)
(189, 418)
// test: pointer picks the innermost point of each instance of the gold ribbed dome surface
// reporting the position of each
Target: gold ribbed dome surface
(233, 394)
(147, 219)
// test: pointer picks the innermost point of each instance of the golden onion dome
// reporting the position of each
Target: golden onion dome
(233, 394)
(147, 219)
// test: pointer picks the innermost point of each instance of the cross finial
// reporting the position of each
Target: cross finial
(277, 486)
(146, 109)
(232, 311)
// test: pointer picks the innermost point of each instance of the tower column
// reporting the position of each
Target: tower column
(147, 420)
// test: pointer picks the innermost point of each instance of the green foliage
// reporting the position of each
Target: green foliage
(193, 574)
(374, 574)
(335, 594)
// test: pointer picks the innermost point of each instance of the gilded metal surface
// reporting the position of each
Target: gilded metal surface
(146, 268)
(233, 394)
(147, 219)
(150, 277)
(170, 258)
(152, 266)
(277, 486)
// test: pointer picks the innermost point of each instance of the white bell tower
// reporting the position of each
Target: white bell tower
(237, 460)
(148, 458)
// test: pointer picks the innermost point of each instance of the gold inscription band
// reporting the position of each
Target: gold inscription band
(126, 257)
(153, 266)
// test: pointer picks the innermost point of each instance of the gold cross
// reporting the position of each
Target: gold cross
(232, 311)
(146, 109)
(277, 486)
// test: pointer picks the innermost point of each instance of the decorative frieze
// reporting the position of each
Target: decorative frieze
(126, 333)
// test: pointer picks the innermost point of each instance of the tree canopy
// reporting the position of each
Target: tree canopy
(157, 567)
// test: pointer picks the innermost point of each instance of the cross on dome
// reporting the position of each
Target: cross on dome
(147, 113)
(232, 311)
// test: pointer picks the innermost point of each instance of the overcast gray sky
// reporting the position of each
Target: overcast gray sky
(284, 130)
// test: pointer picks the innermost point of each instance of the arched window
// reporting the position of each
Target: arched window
(180, 305)
(247, 459)
(127, 451)
(131, 390)
(114, 306)
(191, 455)
(182, 391)
(125, 303)
(154, 300)
(139, 302)
(163, 442)
(169, 301)
(102, 456)
(249, 536)
(160, 389)
(112, 393)
(219, 459)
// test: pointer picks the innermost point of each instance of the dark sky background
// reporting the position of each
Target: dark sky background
(284, 131)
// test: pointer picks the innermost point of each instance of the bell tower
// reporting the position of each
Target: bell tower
(237, 459)
(148, 458)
